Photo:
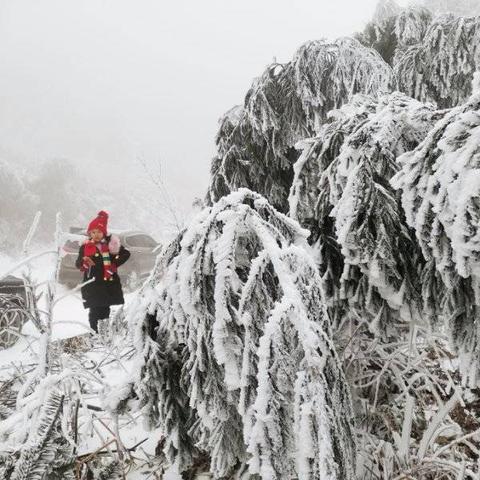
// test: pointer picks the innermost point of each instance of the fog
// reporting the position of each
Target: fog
(103, 83)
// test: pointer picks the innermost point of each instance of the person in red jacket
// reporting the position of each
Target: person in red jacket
(99, 258)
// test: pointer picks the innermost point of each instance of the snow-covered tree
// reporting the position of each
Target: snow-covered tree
(440, 68)
(287, 103)
(433, 56)
(242, 359)
(462, 8)
(440, 189)
(385, 10)
(393, 29)
(17, 206)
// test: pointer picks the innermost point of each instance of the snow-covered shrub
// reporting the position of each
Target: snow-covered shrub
(413, 419)
(241, 365)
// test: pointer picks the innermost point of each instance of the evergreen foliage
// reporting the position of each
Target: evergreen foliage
(440, 68)
(440, 196)
(287, 103)
(367, 255)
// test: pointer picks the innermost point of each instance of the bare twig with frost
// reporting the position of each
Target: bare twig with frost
(157, 180)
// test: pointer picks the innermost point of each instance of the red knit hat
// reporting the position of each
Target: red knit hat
(99, 223)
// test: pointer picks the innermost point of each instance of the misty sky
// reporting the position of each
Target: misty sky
(103, 82)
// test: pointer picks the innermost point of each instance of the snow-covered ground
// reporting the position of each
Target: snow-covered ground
(108, 361)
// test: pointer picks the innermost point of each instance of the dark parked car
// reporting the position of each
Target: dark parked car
(13, 286)
(143, 249)
(13, 310)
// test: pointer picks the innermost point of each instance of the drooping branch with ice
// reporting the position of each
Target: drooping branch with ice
(287, 103)
(368, 257)
(240, 311)
(440, 185)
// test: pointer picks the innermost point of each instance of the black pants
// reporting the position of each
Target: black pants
(95, 314)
